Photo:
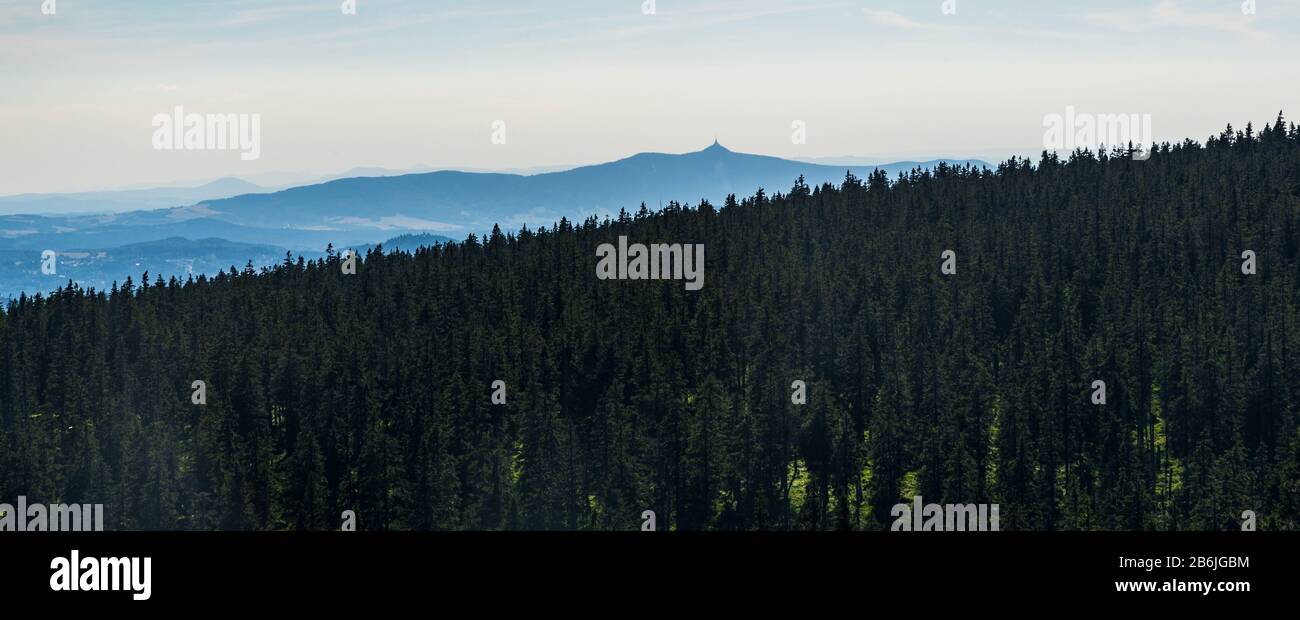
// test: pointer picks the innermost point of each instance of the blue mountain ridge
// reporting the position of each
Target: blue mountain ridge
(449, 202)
(408, 210)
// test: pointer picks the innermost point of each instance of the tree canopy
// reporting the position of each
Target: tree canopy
(327, 391)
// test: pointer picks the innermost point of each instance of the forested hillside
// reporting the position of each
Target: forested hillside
(328, 391)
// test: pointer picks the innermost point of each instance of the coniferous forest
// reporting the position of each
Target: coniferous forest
(372, 391)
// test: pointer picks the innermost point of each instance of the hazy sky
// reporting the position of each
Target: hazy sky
(406, 82)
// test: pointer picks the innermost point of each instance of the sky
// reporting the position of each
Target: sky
(403, 83)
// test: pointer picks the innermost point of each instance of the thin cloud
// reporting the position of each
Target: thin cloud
(890, 19)
(1171, 14)
(633, 24)
(898, 21)
(246, 17)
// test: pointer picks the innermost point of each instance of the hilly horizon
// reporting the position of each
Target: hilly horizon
(103, 240)
(121, 200)
(370, 209)
(99, 268)
(458, 201)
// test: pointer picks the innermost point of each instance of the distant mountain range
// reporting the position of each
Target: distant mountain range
(20, 270)
(116, 201)
(459, 202)
(105, 236)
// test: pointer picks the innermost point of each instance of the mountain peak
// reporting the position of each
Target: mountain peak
(716, 148)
